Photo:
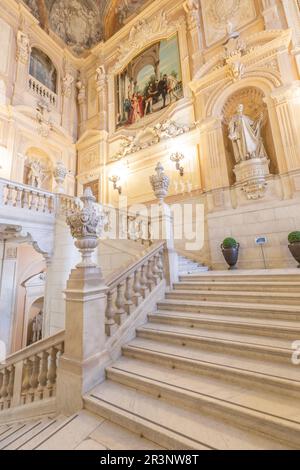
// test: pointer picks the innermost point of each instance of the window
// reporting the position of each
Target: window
(42, 68)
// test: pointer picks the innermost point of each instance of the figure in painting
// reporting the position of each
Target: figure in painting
(245, 135)
(150, 83)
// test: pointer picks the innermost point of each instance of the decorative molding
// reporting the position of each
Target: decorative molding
(243, 57)
(142, 34)
(23, 47)
(150, 136)
(67, 82)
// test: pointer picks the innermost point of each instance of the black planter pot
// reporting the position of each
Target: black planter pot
(295, 251)
(231, 255)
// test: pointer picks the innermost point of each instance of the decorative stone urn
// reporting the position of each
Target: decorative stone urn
(86, 226)
(160, 183)
(251, 174)
(60, 174)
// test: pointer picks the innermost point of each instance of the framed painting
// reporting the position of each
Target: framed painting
(151, 82)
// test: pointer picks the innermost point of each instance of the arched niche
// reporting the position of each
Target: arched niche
(38, 161)
(252, 98)
(42, 69)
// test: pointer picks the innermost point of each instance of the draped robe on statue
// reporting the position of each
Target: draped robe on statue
(245, 136)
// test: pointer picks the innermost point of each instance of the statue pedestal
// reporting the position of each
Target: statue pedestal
(251, 174)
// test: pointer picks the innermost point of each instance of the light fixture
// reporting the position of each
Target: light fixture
(177, 158)
(114, 179)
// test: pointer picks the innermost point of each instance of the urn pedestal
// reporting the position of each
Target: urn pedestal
(251, 174)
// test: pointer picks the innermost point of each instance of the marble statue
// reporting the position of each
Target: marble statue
(245, 135)
(36, 174)
(37, 327)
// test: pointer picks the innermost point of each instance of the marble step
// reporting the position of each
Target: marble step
(26, 429)
(267, 413)
(267, 298)
(40, 428)
(252, 286)
(248, 371)
(280, 312)
(267, 327)
(169, 424)
(272, 349)
(187, 271)
(233, 276)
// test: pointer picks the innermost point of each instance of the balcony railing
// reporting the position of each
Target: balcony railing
(42, 91)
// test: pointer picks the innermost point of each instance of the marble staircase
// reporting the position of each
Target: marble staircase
(212, 368)
(188, 266)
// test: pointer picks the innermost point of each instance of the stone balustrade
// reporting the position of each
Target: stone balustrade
(129, 288)
(30, 374)
(26, 197)
(42, 91)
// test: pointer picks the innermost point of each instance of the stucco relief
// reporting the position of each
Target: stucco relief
(88, 161)
(216, 13)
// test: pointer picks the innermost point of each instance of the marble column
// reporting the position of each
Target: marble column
(285, 101)
(292, 13)
(212, 153)
(22, 58)
(195, 35)
(271, 15)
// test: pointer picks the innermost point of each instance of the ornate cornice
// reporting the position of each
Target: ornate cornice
(140, 36)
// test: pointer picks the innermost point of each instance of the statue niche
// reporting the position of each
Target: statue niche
(38, 170)
(248, 143)
(245, 135)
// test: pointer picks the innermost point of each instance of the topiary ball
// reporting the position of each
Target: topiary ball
(294, 237)
(229, 243)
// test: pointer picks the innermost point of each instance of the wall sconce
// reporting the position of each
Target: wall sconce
(114, 179)
(177, 158)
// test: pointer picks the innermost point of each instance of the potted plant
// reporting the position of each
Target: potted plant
(230, 250)
(294, 245)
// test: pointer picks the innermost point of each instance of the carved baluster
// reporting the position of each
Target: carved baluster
(27, 366)
(155, 270)
(143, 281)
(110, 324)
(129, 295)
(51, 204)
(33, 202)
(34, 382)
(18, 200)
(4, 388)
(150, 280)
(137, 287)
(25, 203)
(41, 203)
(10, 387)
(9, 196)
(51, 376)
(42, 378)
(160, 264)
(1, 385)
(120, 303)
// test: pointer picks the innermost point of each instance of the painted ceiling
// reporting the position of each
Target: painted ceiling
(81, 24)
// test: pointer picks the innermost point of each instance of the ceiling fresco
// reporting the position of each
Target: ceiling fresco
(81, 24)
